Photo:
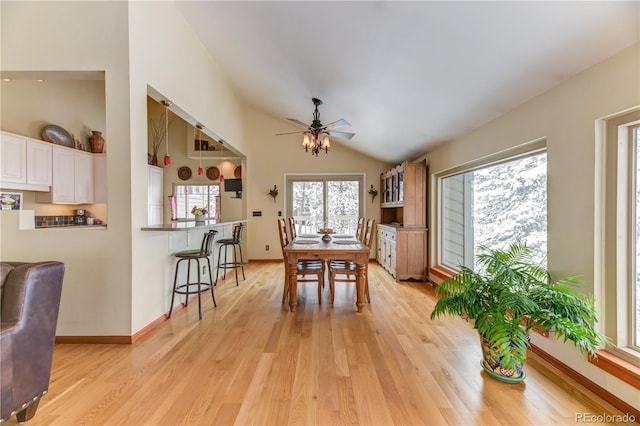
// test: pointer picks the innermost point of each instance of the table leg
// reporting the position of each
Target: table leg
(360, 285)
(293, 287)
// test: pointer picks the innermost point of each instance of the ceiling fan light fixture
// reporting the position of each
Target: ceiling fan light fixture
(316, 135)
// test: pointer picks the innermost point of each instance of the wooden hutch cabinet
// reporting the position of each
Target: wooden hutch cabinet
(402, 232)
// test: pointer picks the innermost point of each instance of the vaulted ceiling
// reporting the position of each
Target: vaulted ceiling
(407, 76)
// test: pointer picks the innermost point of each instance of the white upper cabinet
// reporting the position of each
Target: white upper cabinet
(72, 177)
(83, 177)
(38, 162)
(25, 163)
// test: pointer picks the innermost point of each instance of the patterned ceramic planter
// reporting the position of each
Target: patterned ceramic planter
(492, 364)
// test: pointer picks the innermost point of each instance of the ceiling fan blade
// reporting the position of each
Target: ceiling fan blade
(338, 123)
(343, 135)
(289, 133)
(298, 122)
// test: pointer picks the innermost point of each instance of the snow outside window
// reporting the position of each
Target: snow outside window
(325, 201)
(188, 196)
(617, 205)
(494, 206)
(635, 255)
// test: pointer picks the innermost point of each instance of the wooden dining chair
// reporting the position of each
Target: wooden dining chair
(348, 268)
(360, 228)
(304, 267)
(292, 227)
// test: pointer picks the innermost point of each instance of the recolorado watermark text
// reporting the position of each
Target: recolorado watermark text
(604, 418)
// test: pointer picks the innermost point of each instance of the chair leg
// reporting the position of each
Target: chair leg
(218, 265)
(366, 285)
(199, 290)
(186, 296)
(285, 291)
(28, 413)
(332, 284)
(235, 262)
(241, 262)
(173, 293)
(224, 264)
(211, 283)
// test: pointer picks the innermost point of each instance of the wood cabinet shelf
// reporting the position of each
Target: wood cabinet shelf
(402, 233)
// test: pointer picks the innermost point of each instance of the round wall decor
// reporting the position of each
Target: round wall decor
(184, 173)
(213, 173)
(237, 172)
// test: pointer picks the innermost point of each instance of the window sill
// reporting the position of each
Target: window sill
(617, 367)
(441, 272)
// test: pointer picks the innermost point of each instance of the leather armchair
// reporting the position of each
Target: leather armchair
(30, 300)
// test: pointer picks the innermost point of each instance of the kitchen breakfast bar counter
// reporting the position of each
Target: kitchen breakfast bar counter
(157, 265)
(190, 226)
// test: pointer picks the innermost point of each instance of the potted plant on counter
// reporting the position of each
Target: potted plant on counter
(200, 213)
(508, 296)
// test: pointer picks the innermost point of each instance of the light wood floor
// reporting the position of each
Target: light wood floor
(249, 361)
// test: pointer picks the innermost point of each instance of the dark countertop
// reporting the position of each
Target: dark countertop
(187, 226)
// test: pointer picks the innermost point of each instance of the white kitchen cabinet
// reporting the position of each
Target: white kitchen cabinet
(24, 163)
(155, 195)
(39, 162)
(72, 177)
(14, 159)
(83, 177)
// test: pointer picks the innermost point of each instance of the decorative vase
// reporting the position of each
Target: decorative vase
(200, 218)
(492, 364)
(96, 142)
(154, 160)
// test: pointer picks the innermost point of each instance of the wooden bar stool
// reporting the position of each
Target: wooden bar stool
(236, 244)
(203, 253)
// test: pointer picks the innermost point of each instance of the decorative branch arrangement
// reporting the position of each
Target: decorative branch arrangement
(274, 192)
(158, 131)
(373, 192)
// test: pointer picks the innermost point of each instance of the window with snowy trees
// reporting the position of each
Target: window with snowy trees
(617, 222)
(635, 255)
(494, 206)
(325, 201)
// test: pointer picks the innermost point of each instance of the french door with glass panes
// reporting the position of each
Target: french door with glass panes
(325, 202)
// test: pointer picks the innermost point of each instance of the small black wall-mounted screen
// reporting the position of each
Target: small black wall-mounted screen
(233, 185)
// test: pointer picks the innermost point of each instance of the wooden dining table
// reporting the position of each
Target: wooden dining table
(307, 248)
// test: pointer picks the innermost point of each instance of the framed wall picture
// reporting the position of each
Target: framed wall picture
(11, 200)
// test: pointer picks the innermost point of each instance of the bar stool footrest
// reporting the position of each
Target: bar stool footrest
(203, 287)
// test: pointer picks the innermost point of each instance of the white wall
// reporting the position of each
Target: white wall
(566, 117)
(167, 56)
(120, 284)
(96, 298)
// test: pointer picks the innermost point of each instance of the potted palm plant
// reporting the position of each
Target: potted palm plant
(508, 296)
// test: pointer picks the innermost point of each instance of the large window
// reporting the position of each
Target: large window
(635, 253)
(618, 246)
(325, 202)
(493, 206)
(188, 196)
